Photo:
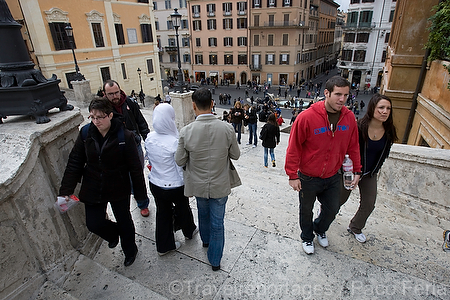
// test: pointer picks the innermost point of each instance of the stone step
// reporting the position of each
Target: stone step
(90, 280)
(50, 290)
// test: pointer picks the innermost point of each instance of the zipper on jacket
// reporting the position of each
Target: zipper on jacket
(331, 125)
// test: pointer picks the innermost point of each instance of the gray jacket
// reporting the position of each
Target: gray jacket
(205, 147)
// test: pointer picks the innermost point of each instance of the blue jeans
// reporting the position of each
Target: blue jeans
(237, 128)
(252, 134)
(272, 154)
(210, 223)
(327, 191)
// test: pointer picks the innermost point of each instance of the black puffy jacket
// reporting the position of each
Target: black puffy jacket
(270, 135)
(104, 169)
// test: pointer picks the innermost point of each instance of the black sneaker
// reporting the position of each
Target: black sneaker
(113, 244)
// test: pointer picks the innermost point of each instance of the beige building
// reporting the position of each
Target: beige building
(283, 34)
(271, 41)
(291, 40)
(326, 54)
(219, 40)
(112, 39)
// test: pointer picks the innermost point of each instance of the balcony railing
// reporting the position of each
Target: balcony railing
(196, 15)
(255, 67)
(211, 14)
(360, 25)
(227, 13)
(242, 12)
(171, 49)
(284, 24)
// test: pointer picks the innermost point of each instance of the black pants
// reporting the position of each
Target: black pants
(165, 199)
(108, 230)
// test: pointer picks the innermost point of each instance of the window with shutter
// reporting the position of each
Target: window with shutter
(119, 34)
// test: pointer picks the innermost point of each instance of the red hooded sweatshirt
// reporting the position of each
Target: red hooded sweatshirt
(315, 150)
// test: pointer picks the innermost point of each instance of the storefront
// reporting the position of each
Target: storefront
(199, 75)
(256, 77)
(214, 76)
(229, 77)
(283, 79)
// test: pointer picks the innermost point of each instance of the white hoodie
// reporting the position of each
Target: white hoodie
(161, 145)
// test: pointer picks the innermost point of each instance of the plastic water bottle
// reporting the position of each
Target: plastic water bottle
(347, 166)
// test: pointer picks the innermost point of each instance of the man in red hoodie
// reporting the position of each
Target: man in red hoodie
(320, 137)
(133, 120)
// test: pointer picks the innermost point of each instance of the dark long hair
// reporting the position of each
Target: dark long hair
(272, 119)
(389, 128)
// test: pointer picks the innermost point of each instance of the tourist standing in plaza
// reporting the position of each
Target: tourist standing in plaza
(377, 133)
(237, 115)
(252, 121)
(133, 120)
(166, 180)
(270, 136)
(205, 149)
(319, 139)
(103, 159)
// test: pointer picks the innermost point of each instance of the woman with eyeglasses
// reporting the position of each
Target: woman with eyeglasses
(103, 159)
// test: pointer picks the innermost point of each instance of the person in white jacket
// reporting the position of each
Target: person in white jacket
(166, 181)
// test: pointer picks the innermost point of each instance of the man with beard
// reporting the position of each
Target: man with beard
(133, 121)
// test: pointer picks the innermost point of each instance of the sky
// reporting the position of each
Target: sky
(343, 4)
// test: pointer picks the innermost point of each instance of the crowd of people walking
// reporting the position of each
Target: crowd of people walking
(108, 160)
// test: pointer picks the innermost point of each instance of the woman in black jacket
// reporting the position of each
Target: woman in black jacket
(270, 136)
(377, 133)
(237, 115)
(105, 157)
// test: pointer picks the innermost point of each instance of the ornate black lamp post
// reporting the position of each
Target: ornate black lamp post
(23, 89)
(141, 93)
(176, 22)
(78, 76)
(140, 81)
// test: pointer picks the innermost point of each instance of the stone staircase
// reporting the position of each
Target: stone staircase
(263, 257)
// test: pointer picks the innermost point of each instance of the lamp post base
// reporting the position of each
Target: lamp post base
(180, 86)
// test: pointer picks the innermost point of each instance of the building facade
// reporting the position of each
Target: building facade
(325, 44)
(366, 36)
(166, 39)
(421, 119)
(341, 18)
(283, 41)
(111, 39)
(219, 38)
(271, 41)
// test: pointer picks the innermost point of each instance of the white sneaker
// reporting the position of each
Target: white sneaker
(308, 247)
(177, 245)
(254, 146)
(360, 237)
(247, 143)
(322, 239)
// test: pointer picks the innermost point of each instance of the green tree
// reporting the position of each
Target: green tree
(439, 38)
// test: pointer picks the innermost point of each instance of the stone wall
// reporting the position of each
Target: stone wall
(416, 181)
(37, 242)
